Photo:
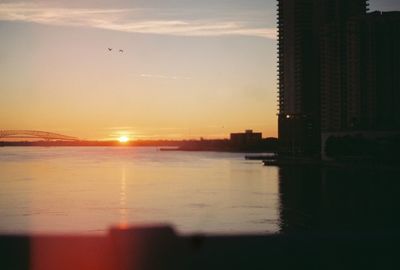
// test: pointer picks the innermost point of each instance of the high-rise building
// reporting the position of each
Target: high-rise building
(312, 69)
(298, 118)
(334, 59)
(373, 80)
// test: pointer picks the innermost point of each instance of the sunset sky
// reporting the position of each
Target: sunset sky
(190, 68)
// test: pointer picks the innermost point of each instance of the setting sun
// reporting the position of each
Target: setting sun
(123, 139)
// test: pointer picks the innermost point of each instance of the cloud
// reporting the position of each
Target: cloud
(129, 20)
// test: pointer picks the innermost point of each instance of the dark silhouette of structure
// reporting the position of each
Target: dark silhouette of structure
(369, 85)
(365, 107)
(34, 134)
(338, 72)
(298, 64)
(335, 88)
(374, 72)
(248, 138)
(160, 248)
(311, 33)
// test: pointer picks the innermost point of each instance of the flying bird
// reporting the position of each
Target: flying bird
(110, 49)
(121, 51)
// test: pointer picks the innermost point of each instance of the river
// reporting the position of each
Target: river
(87, 190)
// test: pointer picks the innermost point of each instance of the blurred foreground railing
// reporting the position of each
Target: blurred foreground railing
(161, 248)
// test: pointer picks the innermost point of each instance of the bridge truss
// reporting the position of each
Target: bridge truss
(34, 134)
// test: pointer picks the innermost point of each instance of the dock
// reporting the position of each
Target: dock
(261, 157)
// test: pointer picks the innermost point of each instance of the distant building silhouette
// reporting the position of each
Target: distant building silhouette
(248, 138)
(339, 71)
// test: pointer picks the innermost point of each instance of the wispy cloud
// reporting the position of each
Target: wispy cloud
(129, 20)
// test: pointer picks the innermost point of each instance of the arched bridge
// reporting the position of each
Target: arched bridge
(34, 134)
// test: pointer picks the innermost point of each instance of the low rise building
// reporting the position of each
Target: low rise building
(247, 138)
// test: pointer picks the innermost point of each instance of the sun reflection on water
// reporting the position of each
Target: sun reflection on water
(123, 211)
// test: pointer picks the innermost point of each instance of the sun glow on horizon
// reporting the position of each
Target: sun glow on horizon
(139, 95)
(123, 139)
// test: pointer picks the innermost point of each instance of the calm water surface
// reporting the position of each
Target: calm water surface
(89, 189)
